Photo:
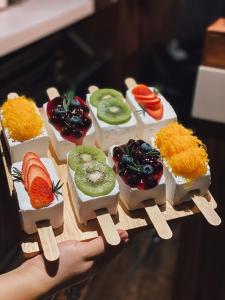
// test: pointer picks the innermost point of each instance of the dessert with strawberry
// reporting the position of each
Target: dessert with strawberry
(151, 109)
(23, 127)
(37, 191)
(68, 122)
(139, 172)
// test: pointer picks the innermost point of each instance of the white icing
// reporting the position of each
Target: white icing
(107, 134)
(148, 126)
(29, 215)
(85, 206)
(59, 144)
(132, 198)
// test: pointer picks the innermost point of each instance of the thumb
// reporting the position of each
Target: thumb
(98, 246)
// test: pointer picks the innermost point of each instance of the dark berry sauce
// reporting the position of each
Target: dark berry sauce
(137, 164)
(72, 121)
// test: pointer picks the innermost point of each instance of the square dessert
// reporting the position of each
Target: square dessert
(92, 183)
(23, 128)
(139, 173)
(33, 207)
(151, 110)
(68, 123)
(185, 163)
(113, 120)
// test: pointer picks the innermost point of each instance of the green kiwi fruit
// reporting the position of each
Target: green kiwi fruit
(95, 179)
(113, 111)
(85, 154)
(102, 94)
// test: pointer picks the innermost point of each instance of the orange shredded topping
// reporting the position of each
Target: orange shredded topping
(21, 118)
(184, 152)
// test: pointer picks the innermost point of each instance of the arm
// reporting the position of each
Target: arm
(36, 277)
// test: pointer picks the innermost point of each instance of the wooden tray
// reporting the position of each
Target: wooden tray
(71, 230)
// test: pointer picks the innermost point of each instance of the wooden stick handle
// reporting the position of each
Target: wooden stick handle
(52, 93)
(48, 241)
(130, 82)
(92, 89)
(12, 95)
(157, 219)
(206, 209)
(108, 227)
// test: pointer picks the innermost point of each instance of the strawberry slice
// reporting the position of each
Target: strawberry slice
(28, 156)
(40, 193)
(37, 171)
(30, 162)
(141, 89)
(146, 98)
(156, 114)
(149, 102)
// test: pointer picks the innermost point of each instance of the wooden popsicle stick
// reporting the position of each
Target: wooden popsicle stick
(12, 95)
(48, 241)
(130, 82)
(92, 89)
(108, 227)
(52, 93)
(157, 219)
(206, 209)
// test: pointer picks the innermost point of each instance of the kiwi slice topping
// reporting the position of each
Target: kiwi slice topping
(95, 179)
(104, 94)
(84, 155)
(113, 111)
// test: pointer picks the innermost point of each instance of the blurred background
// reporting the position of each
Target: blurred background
(159, 43)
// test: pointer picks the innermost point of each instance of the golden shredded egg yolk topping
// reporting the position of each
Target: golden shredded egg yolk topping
(21, 118)
(184, 152)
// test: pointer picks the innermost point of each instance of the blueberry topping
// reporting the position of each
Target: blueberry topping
(147, 170)
(126, 159)
(146, 147)
(74, 104)
(75, 120)
(59, 110)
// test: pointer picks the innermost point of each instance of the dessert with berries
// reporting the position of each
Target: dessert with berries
(37, 189)
(185, 163)
(113, 120)
(68, 122)
(23, 127)
(139, 172)
(92, 182)
(151, 109)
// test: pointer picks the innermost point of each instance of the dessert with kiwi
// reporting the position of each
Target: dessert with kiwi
(113, 119)
(92, 182)
(139, 173)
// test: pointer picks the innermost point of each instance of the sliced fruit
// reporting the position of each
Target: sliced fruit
(104, 94)
(144, 97)
(28, 156)
(30, 162)
(82, 155)
(36, 171)
(113, 111)
(97, 179)
(40, 193)
(150, 102)
(141, 89)
(156, 114)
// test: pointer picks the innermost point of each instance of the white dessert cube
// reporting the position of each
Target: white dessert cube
(59, 144)
(108, 134)
(132, 198)
(179, 190)
(29, 215)
(85, 206)
(147, 125)
(17, 149)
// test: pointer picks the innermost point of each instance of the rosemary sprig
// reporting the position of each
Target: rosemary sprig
(67, 100)
(56, 188)
(16, 174)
